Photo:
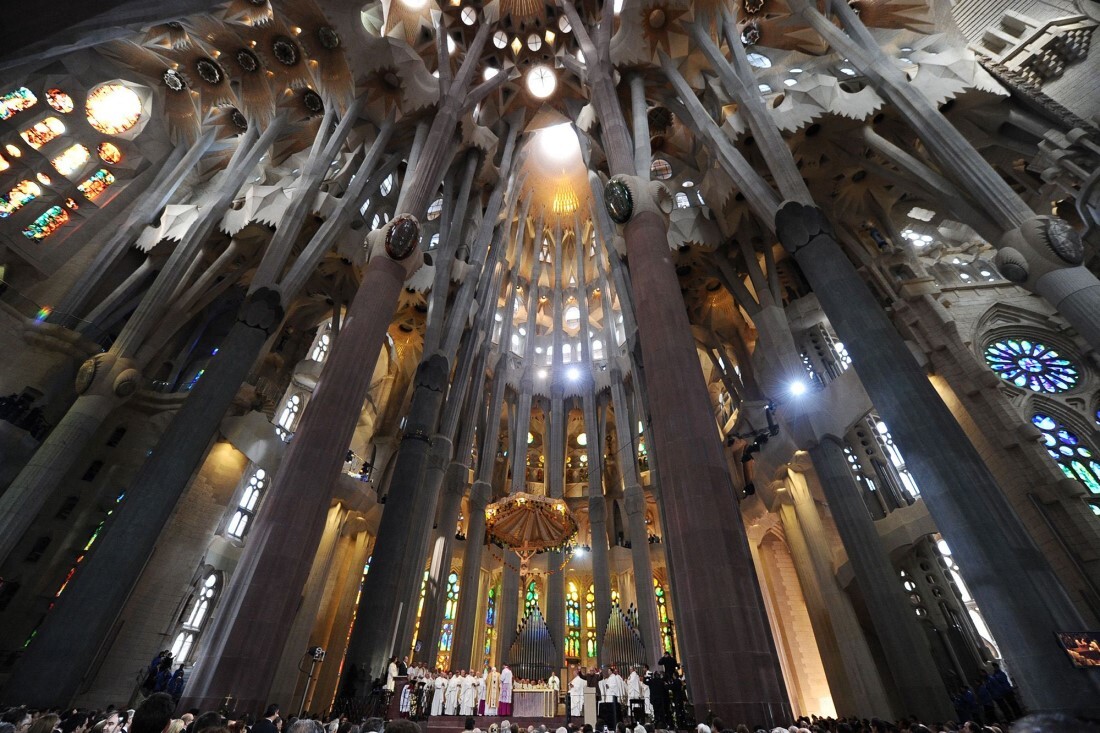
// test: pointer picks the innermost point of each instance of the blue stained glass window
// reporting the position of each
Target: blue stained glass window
(1031, 365)
(1065, 447)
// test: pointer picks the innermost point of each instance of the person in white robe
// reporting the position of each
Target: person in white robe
(648, 702)
(439, 690)
(467, 695)
(450, 700)
(492, 693)
(391, 674)
(505, 691)
(554, 683)
(634, 695)
(576, 695)
(483, 689)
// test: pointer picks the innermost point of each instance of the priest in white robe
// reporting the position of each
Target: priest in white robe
(450, 701)
(634, 695)
(492, 693)
(439, 690)
(576, 695)
(467, 695)
(553, 682)
(505, 691)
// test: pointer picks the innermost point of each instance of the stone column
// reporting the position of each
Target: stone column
(904, 645)
(335, 643)
(508, 619)
(555, 474)
(634, 501)
(868, 693)
(393, 585)
(241, 649)
(1018, 592)
(442, 548)
(466, 618)
(597, 522)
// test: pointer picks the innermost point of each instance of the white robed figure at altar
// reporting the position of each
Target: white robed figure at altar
(576, 695)
(439, 687)
(505, 691)
(492, 692)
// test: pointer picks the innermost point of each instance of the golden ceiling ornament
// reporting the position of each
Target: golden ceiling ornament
(528, 524)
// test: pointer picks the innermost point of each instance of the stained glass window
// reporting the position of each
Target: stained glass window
(246, 508)
(202, 602)
(71, 160)
(113, 109)
(573, 621)
(59, 100)
(668, 636)
(96, 184)
(109, 153)
(531, 599)
(4, 164)
(42, 132)
(1076, 459)
(21, 193)
(48, 223)
(447, 633)
(590, 644)
(491, 608)
(661, 169)
(590, 608)
(15, 102)
(1031, 365)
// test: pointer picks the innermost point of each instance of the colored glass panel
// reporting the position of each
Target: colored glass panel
(42, 132)
(15, 102)
(94, 187)
(20, 194)
(1031, 365)
(46, 224)
(113, 109)
(71, 160)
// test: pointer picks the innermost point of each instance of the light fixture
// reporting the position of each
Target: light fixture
(543, 373)
(414, 4)
(798, 388)
(582, 439)
(573, 373)
(541, 81)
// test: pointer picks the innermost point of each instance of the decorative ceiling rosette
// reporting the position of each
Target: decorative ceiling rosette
(394, 79)
(649, 27)
(913, 15)
(282, 53)
(322, 45)
(201, 65)
(243, 65)
(181, 109)
(775, 25)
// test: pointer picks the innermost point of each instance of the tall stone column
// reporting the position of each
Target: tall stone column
(393, 585)
(597, 522)
(335, 643)
(242, 647)
(1019, 594)
(555, 473)
(466, 618)
(442, 548)
(905, 647)
(868, 693)
(635, 515)
(508, 620)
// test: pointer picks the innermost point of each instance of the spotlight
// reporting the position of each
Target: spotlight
(573, 373)
(798, 388)
(542, 374)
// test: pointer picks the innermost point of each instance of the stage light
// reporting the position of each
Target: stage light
(573, 373)
(798, 388)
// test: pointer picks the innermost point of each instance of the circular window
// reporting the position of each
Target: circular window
(500, 39)
(1074, 458)
(285, 50)
(534, 42)
(113, 108)
(661, 169)
(59, 100)
(469, 15)
(541, 81)
(1031, 365)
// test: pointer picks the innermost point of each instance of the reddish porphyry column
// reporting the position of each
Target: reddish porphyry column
(726, 646)
(240, 655)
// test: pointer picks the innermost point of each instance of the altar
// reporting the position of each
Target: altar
(534, 703)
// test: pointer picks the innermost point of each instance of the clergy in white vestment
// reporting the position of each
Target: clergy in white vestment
(634, 695)
(505, 691)
(554, 682)
(648, 701)
(470, 697)
(615, 691)
(439, 689)
(576, 695)
(406, 701)
(467, 695)
(492, 692)
(450, 701)
(483, 690)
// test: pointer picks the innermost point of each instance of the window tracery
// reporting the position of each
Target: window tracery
(1031, 365)
(1074, 457)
